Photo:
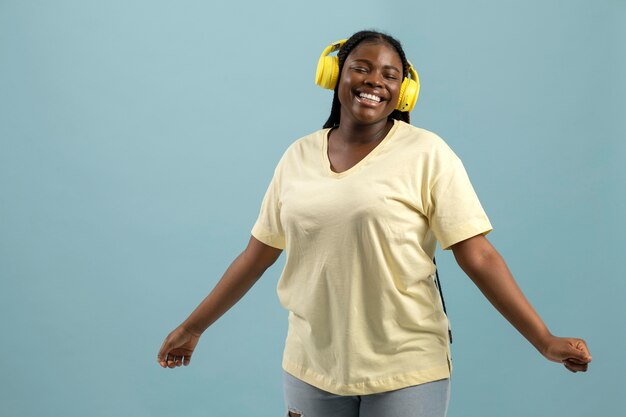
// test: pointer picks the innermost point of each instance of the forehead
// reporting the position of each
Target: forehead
(376, 52)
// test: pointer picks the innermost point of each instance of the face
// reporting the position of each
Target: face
(369, 83)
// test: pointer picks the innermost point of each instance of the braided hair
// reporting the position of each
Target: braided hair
(351, 43)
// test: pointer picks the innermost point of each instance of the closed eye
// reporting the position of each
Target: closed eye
(360, 69)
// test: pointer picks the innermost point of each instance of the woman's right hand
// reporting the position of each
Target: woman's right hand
(240, 276)
(177, 348)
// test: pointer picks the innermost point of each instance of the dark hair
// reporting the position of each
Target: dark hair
(351, 43)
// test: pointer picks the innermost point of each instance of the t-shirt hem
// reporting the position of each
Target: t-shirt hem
(369, 386)
(466, 232)
(264, 236)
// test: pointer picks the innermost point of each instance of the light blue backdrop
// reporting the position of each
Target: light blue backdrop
(137, 139)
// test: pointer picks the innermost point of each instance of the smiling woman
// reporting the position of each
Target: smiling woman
(369, 85)
(329, 68)
(359, 207)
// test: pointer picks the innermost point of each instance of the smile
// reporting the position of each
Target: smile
(370, 97)
(370, 100)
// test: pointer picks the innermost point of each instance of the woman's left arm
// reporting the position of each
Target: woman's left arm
(484, 265)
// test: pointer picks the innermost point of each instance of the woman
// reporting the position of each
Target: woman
(359, 207)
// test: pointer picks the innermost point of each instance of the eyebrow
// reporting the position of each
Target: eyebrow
(384, 66)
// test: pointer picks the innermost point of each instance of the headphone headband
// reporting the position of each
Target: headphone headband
(334, 47)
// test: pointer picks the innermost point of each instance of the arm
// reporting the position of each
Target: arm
(487, 269)
(240, 276)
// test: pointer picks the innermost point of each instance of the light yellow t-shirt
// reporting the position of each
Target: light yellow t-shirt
(365, 315)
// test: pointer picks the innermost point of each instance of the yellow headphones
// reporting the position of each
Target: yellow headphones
(327, 75)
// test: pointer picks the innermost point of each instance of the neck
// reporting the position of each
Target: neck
(352, 133)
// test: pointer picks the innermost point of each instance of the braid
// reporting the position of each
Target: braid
(351, 43)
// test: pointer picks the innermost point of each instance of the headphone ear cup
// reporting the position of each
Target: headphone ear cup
(327, 72)
(409, 90)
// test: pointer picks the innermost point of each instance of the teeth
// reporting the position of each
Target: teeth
(370, 97)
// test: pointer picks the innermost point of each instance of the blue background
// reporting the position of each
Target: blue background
(137, 139)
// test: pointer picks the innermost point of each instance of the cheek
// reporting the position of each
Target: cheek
(343, 94)
(395, 94)
(343, 91)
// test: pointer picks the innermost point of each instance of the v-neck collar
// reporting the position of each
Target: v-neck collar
(371, 154)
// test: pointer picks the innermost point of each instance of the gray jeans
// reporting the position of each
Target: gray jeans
(424, 400)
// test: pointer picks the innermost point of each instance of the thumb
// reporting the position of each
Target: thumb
(162, 355)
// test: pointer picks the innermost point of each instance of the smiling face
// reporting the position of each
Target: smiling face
(369, 83)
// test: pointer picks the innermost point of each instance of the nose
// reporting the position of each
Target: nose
(374, 78)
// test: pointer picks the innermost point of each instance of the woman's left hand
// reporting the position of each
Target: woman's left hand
(571, 352)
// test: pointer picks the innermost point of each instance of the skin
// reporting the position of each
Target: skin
(370, 68)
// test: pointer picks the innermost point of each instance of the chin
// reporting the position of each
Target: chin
(370, 119)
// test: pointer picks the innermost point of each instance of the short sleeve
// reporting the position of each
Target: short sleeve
(455, 213)
(268, 228)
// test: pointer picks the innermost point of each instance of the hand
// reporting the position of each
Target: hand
(177, 348)
(571, 352)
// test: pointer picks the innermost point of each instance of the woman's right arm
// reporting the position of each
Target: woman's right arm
(240, 276)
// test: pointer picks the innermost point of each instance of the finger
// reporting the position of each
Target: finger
(568, 367)
(581, 346)
(575, 367)
(171, 360)
(178, 360)
(578, 366)
(162, 357)
(576, 349)
(163, 352)
(186, 360)
(579, 356)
